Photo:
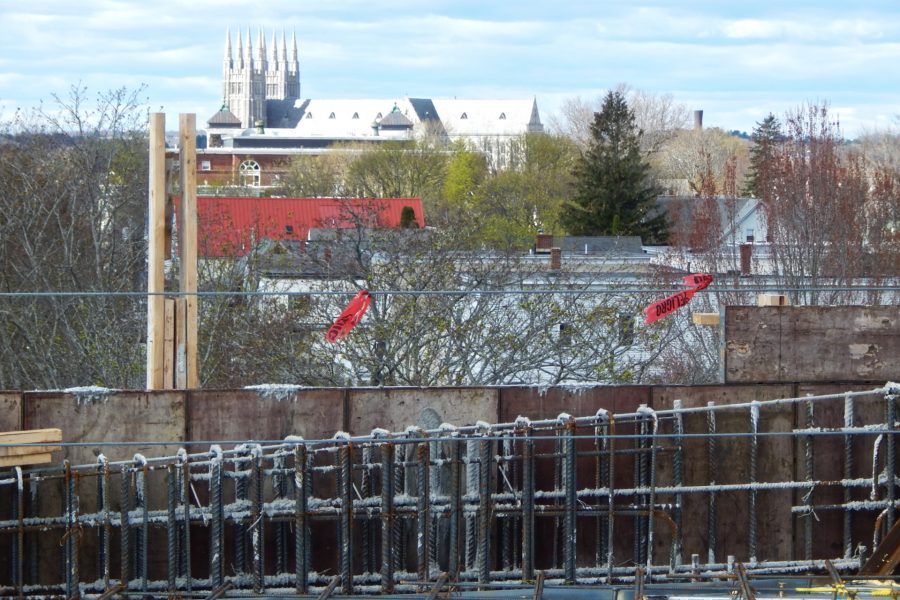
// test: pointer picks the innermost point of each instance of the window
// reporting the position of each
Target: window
(565, 334)
(250, 173)
(503, 116)
(205, 165)
(309, 115)
(355, 115)
(749, 233)
(378, 116)
(331, 116)
(289, 229)
(464, 116)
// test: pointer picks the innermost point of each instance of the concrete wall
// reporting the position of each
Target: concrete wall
(242, 415)
(812, 343)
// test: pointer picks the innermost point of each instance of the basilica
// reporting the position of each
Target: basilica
(264, 114)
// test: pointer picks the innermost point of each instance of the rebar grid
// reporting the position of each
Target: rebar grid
(482, 505)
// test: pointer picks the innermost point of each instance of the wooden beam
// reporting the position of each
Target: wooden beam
(31, 436)
(705, 318)
(156, 252)
(26, 459)
(169, 354)
(26, 450)
(188, 156)
(180, 343)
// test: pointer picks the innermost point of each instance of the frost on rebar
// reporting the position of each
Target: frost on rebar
(573, 500)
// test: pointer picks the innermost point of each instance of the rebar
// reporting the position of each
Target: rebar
(890, 459)
(416, 478)
(423, 520)
(345, 485)
(677, 481)
(571, 495)
(751, 495)
(484, 511)
(217, 517)
(712, 476)
(849, 418)
(302, 487)
(809, 462)
(388, 538)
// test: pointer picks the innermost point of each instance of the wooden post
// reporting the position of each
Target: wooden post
(180, 345)
(169, 358)
(156, 253)
(188, 156)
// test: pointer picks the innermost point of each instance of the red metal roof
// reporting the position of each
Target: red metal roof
(231, 226)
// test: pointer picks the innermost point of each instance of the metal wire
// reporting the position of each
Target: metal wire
(503, 292)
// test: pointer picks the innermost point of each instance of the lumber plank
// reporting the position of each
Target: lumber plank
(28, 459)
(25, 450)
(31, 436)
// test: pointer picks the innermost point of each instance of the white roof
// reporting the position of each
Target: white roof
(343, 118)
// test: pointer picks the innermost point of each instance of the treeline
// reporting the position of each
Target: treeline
(73, 220)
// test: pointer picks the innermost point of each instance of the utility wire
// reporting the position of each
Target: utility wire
(475, 292)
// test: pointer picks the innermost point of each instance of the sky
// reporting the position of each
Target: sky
(737, 61)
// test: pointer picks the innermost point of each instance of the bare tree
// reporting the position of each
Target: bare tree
(658, 116)
(73, 216)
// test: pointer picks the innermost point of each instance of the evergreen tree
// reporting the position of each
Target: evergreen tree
(765, 138)
(614, 191)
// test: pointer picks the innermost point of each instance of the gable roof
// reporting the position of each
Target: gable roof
(232, 226)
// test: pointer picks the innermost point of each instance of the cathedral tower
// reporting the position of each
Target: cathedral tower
(251, 80)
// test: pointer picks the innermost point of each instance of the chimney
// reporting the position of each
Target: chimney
(555, 259)
(544, 243)
(746, 255)
(698, 119)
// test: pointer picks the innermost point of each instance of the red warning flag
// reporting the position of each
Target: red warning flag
(666, 306)
(349, 317)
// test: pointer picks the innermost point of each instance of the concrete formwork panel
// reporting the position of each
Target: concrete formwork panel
(267, 415)
(101, 417)
(10, 411)
(395, 409)
(774, 463)
(252, 415)
(812, 343)
(10, 420)
(548, 403)
(830, 464)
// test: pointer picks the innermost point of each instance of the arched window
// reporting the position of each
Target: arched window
(502, 116)
(331, 116)
(464, 116)
(250, 173)
(309, 115)
(355, 115)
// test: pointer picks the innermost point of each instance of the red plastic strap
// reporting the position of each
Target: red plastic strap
(666, 306)
(349, 317)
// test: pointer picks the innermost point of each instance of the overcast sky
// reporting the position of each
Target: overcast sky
(737, 61)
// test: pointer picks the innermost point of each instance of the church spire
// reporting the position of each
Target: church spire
(283, 47)
(295, 63)
(274, 50)
(248, 51)
(240, 51)
(260, 50)
(228, 46)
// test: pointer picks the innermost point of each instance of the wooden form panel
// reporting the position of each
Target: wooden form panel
(812, 343)
(774, 463)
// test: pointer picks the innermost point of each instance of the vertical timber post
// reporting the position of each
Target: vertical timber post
(188, 158)
(156, 253)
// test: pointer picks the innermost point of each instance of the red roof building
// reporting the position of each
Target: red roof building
(232, 226)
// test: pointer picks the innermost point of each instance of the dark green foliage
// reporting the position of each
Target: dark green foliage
(765, 137)
(614, 192)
